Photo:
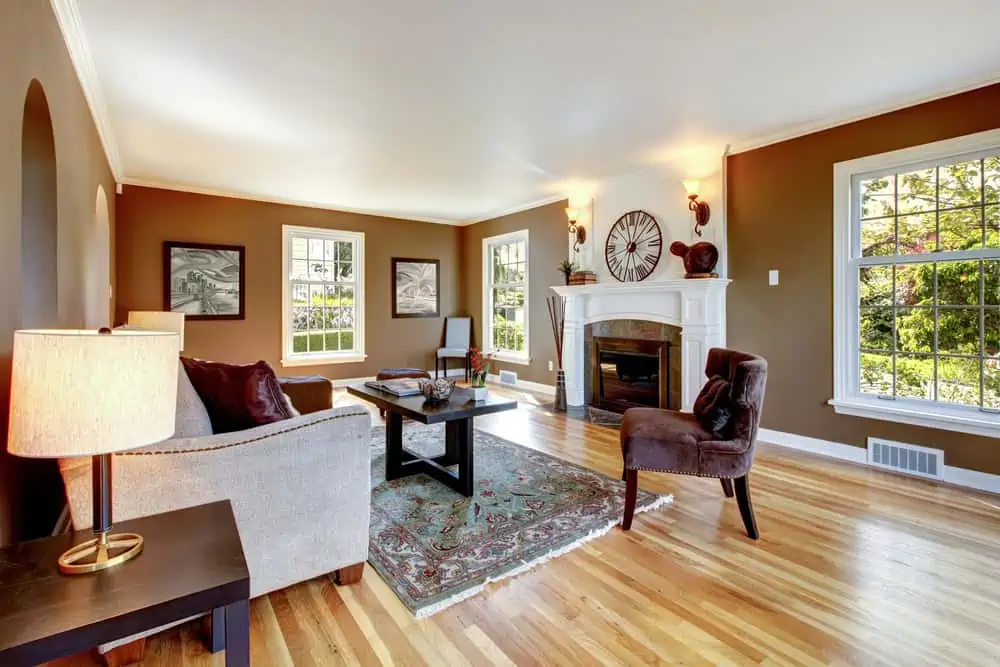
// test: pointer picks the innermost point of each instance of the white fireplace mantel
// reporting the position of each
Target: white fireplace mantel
(697, 306)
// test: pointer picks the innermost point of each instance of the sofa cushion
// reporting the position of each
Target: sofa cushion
(237, 397)
(712, 407)
(192, 420)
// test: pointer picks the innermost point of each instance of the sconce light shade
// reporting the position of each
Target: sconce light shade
(572, 214)
(691, 185)
(578, 232)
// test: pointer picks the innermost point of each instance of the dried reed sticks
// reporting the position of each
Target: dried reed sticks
(557, 317)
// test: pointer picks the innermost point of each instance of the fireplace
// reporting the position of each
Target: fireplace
(629, 373)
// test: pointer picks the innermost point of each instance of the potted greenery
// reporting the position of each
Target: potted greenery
(480, 369)
(567, 268)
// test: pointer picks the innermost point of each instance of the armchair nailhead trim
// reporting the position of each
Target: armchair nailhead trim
(243, 442)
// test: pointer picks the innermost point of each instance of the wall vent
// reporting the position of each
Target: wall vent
(508, 377)
(903, 457)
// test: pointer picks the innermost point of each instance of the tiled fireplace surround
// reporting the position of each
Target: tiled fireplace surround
(693, 310)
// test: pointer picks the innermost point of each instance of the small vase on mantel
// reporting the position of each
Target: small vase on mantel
(560, 402)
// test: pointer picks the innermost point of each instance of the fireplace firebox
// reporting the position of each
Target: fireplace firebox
(628, 373)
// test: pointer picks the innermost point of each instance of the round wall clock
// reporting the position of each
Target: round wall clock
(633, 247)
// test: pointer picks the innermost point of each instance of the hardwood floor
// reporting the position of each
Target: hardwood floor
(853, 567)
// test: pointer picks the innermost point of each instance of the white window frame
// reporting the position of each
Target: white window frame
(847, 397)
(525, 358)
(288, 356)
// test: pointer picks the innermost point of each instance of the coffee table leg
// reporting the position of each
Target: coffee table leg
(238, 634)
(393, 445)
(464, 430)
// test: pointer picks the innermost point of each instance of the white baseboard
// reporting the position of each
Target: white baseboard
(972, 479)
(527, 385)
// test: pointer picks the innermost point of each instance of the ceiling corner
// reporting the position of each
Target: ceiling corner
(71, 26)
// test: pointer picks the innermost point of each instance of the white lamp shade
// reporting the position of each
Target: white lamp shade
(80, 393)
(158, 320)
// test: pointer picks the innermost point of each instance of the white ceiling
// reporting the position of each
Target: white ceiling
(455, 110)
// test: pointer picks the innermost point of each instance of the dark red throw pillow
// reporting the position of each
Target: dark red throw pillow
(237, 397)
(711, 407)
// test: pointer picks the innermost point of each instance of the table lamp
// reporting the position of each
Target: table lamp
(158, 320)
(92, 393)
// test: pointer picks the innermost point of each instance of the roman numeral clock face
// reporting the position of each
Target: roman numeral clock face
(633, 247)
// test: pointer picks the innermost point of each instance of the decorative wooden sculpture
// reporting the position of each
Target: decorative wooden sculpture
(699, 259)
(633, 247)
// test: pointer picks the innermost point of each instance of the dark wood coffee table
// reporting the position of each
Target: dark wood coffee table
(192, 563)
(457, 414)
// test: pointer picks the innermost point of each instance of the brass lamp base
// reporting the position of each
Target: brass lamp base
(104, 551)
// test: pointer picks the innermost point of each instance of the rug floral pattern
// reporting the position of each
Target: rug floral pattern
(434, 546)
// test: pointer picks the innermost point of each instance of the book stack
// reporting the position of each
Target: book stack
(582, 278)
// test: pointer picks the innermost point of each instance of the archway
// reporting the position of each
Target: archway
(39, 287)
(97, 267)
(37, 494)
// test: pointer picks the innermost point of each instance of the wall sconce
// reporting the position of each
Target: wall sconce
(700, 208)
(577, 230)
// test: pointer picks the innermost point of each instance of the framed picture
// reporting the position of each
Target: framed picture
(416, 287)
(205, 281)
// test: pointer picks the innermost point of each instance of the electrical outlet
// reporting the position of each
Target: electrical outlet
(551, 365)
(772, 277)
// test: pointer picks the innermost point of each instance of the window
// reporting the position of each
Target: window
(505, 296)
(917, 252)
(323, 301)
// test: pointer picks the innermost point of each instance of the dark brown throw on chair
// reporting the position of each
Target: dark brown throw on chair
(678, 442)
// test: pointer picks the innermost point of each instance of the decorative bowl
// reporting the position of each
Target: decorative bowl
(437, 391)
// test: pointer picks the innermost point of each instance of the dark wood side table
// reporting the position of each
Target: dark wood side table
(192, 564)
(457, 415)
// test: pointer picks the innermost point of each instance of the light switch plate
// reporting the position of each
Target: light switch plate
(772, 277)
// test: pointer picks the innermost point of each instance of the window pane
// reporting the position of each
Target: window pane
(876, 374)
(346, 340)
(991, 331)
(915, 329)
(960, 184)
(915, 376)
(917, 233)
(315, 319)
(330, 250)
(915, 284)
(876, 329)
(299, 270)
(958, 380)
(346, 295)
(992, 179)
(300, 295)
(878, 197)
(961, 229)
(345, 251)
(958, 283)
(993, 226)
(958, 330)
(315, 295)
(316, 249)
(299, 248)
(875, 288)
(917, 191)
(315, 270)
(878, 237)
(991, 384)
(300, 319)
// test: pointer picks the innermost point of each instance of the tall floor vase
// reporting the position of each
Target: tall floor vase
(560, 402)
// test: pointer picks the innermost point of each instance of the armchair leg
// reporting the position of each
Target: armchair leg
(727, 487)
(631, 491)
(746, 507)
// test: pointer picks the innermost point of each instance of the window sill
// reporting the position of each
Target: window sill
(323, 360)
(939, 417)
(508, 358)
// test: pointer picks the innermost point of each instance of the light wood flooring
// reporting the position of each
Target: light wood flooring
(854, 567)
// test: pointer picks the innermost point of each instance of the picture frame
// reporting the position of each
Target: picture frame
(205, 281)
(416, 287)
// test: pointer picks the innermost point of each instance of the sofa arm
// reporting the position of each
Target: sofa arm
(309, 393)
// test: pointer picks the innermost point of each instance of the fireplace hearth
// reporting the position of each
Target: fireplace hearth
(629, 373)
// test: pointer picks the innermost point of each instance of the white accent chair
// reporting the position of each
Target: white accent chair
(457, 344)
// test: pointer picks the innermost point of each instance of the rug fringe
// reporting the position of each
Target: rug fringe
(432, 609)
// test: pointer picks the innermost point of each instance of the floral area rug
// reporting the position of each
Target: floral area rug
(435, 547)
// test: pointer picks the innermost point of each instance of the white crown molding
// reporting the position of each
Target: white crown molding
(499, 213)
(287, 201)
(71, 26)
(868, 112)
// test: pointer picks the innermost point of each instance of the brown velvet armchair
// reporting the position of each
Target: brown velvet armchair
(673, 441)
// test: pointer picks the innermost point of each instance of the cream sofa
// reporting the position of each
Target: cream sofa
(300, 488)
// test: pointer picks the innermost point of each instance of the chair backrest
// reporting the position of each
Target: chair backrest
(747, 375)
(458, 332)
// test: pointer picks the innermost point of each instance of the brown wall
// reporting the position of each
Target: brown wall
(148, 216)
(31, 47)
(780, 216)
(546, 248)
